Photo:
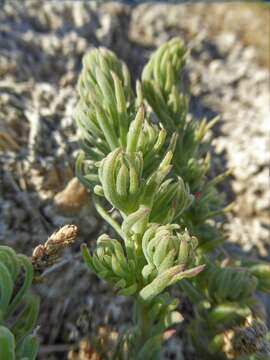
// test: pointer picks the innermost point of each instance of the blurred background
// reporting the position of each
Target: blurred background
(41, 48)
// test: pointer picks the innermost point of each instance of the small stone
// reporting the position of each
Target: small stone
(72, 198)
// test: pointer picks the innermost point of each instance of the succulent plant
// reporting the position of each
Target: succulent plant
(142, 157)
(132, 174)
(18, 307)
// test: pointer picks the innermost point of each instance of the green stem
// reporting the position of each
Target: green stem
(143, 324)
(103, 213)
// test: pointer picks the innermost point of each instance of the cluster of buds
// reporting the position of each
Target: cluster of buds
(160, 81)
(125, 187)
(168, 255)
(102, 114)
(48, 254)
(121, 180)
(110, 263)
(164, 248)
(163, 257)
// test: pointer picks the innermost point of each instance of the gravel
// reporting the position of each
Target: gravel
(40, 59)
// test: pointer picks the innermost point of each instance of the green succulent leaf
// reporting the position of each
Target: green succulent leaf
(18, 307)
(7, 344)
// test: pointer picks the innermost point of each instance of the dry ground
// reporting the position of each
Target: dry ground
(40, 59)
